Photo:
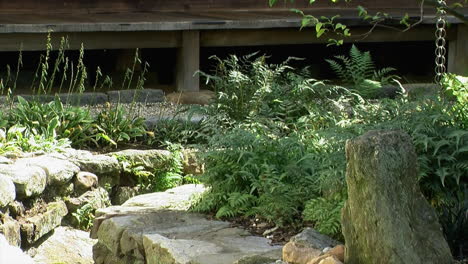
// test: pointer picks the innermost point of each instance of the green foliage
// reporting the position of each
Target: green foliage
(457, 90)
(454, 221)
(326, 215)
(114, 126)
(84, 216)
(358, 70)
(19, 139)
(153, 179)
(170, 174)
(175, 131)
(54, 120)
(251, 174)
(276, 140)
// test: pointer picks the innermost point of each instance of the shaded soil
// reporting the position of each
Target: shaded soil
(278, 235)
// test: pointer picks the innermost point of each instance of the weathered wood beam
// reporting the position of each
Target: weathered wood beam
(188, 62)
(253, 37)
(91, 40)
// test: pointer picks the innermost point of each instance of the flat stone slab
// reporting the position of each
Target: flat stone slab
(97, 164)
(65, 245)
(156, 228)
(58, 171)
(12, 254)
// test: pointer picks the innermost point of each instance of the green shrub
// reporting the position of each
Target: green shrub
(251, 174)
(283, 144)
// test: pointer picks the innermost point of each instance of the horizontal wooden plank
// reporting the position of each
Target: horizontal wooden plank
(92, 40)
(95, 6)
(170, 21)
(208, 38)
(224, 38)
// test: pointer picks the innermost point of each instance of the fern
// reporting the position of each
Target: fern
(326, 215)
(358, 70)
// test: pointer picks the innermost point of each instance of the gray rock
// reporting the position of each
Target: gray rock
(42, 98)
(191, 163)
(11, 254)
(157, 228)
(124, 193)
(418, 90)
(102, 255)
(7, 191)
(58, 171)
(142, 95)
(152, 121)
(65, 245)
(151, 158)
(29, 180)
(310, 238)
(4, 99)
(386, 219)
(35, 227)
(177, 198)
(97, 198)
(10, 228)
(58, 191)
(16, 209)
(97, 164)
(81, 99)
(85, 181)
(5, 160)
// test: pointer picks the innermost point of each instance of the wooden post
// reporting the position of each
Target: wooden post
(458, 52)
(188, 62)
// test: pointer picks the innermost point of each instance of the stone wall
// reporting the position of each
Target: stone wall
(39, 192)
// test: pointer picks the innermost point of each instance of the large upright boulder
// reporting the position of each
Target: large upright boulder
(386, 218)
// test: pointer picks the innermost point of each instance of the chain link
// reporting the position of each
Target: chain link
(440, 51)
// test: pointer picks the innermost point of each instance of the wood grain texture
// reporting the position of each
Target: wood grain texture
(96, 6)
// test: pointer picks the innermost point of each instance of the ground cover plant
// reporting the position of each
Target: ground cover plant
(275, 145)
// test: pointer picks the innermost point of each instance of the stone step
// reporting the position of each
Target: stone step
(157, 228)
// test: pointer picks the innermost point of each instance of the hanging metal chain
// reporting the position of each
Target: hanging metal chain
(440, 51)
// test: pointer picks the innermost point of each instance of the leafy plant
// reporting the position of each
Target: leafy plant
(175, 131)
(54, 120)
(325, 213)
(85, 216)
(114, 126)
(160, 178)
(169, 175)
(251, 174)
(359, 71)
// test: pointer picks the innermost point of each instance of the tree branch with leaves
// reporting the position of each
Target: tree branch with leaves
(324, 25)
